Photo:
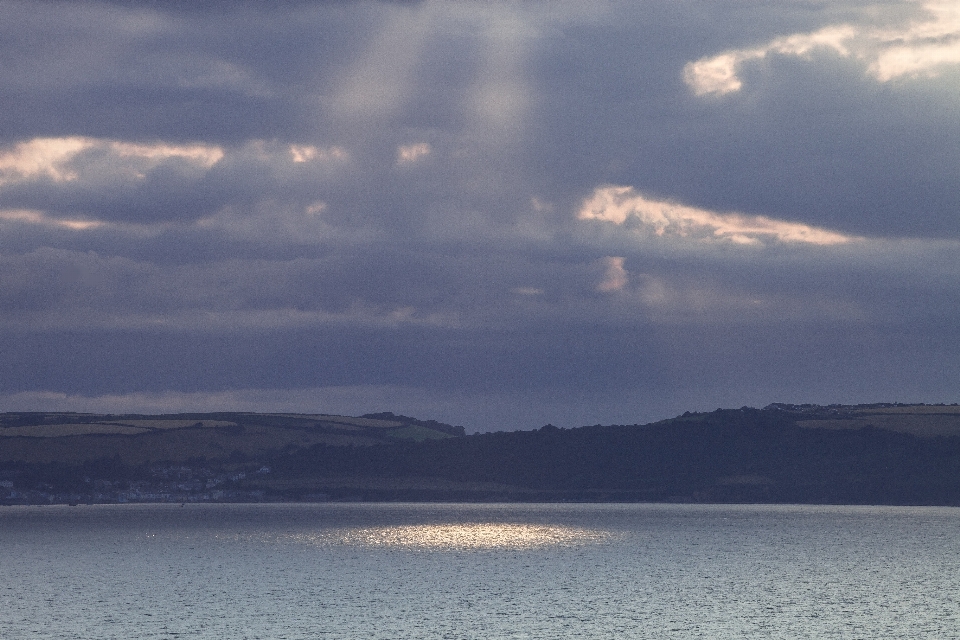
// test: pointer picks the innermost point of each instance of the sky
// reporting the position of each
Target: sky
(494, 214)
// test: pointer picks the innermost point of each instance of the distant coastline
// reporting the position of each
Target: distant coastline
(885, 453)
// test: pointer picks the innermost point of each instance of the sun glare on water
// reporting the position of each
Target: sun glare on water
(461, 536)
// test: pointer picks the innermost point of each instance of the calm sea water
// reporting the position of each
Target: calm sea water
(478, 571)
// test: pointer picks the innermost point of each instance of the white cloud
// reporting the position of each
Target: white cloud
(199, 154)
(40, 218)
(923, 47)
(41, 157)
(666, 219)
(98, 173)
(920, 48)
(410, 153)
(541, 206)
(316, 208)
(615, 277)
(718, 74)
(301, 153)
(58, 159)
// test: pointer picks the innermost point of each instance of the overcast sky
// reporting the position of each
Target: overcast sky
(495, 214)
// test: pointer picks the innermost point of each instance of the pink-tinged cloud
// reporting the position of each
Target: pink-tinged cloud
(618, 205)
(41, 157)
(301, 153)
(615, 277)
(410, 153)
(40, 218)
(923, 47)
(58, 159)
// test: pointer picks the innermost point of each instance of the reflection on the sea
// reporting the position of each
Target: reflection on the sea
(484, 535)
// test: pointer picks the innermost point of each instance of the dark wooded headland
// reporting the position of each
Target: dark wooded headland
(865, 454)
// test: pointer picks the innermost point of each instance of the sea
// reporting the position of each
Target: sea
(333, 570)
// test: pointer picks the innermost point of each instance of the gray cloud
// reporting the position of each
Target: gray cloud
(381, 206)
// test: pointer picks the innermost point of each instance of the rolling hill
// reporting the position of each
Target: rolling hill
(864, 454)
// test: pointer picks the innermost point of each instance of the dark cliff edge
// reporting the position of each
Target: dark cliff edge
(864, 454)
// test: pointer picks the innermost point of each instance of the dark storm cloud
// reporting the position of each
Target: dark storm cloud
(548, 208)
(215, 71)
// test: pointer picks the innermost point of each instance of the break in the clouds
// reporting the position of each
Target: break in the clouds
(925, 45)
(497, 214)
